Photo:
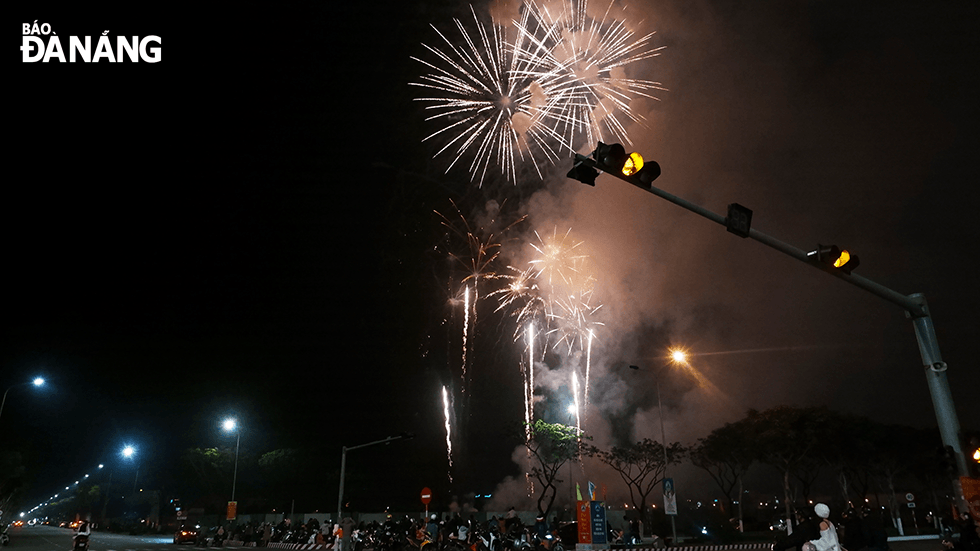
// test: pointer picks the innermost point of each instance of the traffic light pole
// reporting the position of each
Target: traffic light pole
(914, 305)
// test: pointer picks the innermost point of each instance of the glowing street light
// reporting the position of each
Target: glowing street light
(128, 452)
(231, 424)
(677, 356)
(37, 382)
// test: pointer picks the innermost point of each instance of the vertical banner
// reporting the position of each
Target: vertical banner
(232, 510)
(670, 498)
(598, 516)
(584, 522)
(971, 492)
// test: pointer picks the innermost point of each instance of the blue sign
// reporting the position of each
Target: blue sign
(597, 514)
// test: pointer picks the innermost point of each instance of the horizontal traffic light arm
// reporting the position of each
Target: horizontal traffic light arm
(912, 306)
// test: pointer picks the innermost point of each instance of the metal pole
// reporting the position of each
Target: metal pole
(4, 401)
(343, 464)
(234, 478)
(914, 305)
(340, 493)
(942, 399)
(663, 438)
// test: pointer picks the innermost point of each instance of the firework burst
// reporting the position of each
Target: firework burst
(530, 92)
(589, 91)
(489, 101)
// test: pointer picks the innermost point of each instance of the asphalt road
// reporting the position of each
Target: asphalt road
(50, 538)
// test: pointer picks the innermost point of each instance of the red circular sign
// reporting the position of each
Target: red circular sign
(426, 496)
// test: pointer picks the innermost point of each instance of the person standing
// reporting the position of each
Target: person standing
(346, 530)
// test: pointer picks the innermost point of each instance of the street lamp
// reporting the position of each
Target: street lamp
(38, 381)
(677, 356)
(343, 465)
(128, 452)
(230, 424)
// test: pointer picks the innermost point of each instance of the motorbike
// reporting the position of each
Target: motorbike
(81, 543)
(4, 538)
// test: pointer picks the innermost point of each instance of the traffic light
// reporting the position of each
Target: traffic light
(831, 256)
(612, 159)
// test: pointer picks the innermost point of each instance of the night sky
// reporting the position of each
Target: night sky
(249, 227)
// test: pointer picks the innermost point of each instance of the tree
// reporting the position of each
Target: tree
(726, 454)
(551, 445)
(788, 438)
(11, 470)
(641, 466)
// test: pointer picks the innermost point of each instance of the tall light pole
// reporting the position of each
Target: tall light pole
(38, 381)
(128, 452)
(676, 356)
(230, 424)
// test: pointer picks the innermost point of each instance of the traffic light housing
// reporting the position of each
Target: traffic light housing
(613, 159)
(833, 258)
(583, 173)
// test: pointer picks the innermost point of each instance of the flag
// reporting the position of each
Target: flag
(578, 492)
(591, 490)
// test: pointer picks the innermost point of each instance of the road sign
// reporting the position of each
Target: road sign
(426, 496)
(232, 510)
(909, 496)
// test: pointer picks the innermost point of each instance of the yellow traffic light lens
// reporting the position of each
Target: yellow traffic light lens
(633, 164)
(844, 258)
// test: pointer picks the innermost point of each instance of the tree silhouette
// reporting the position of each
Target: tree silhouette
(552, 445)
(641, 466)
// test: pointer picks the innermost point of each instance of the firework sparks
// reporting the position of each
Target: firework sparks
(585, 61)
(559, 262)
(521, 296)
(489, 100)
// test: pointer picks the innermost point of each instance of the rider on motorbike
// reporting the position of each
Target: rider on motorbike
(80, 537)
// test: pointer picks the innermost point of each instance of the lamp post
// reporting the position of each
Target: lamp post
(38, 381)
(676, 356)
(343, 465)
(128, 452)
(229, 425)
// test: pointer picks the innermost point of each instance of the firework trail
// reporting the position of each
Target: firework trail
(575, 403)
(476, 255)
(449, 440)
(466, 332)
(588, 368)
